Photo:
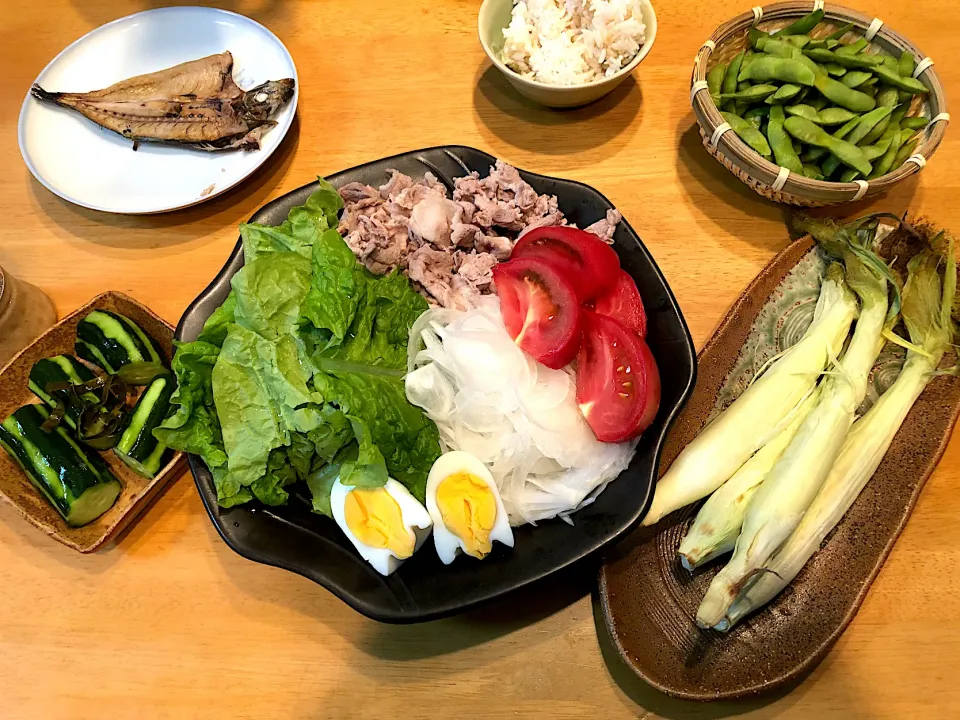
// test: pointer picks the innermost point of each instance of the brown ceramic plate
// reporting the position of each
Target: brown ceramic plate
(649, 601)
(137, 491)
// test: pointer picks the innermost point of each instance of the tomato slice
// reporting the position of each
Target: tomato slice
(623, 303)
(618, 384)
(588, 262)
(540, 310)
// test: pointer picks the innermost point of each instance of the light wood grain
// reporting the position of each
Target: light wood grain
(171, 624)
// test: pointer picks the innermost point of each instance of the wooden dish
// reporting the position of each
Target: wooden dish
(761, 174)
(137, 491)
(649, 601)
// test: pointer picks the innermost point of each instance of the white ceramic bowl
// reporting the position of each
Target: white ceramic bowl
(495, 16)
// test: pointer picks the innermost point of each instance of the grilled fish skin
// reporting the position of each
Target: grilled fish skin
(195, 104)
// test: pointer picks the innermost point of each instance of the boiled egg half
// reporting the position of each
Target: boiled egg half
(386, 525)
(465, 506)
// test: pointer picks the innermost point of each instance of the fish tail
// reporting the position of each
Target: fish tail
(45, 95)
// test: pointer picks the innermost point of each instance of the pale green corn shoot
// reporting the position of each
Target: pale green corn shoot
(715, 530)
(926, 312)
(759, 414)
(780, 502)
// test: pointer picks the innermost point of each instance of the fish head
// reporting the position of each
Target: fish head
(264, 100)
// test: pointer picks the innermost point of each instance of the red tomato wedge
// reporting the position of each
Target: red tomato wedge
(623, 303)
(540, 310)
(618, 384)
(588, 262)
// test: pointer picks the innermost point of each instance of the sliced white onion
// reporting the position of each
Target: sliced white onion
(518, 417)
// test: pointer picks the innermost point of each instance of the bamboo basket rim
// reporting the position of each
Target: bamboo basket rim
(765, 172)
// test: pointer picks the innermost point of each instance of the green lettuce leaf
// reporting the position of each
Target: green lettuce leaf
(299, 231)
(269, 292)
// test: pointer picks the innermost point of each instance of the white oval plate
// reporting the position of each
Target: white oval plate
(90, 166)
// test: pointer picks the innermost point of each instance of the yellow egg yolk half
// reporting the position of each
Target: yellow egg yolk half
(469, 510)
(374, 518)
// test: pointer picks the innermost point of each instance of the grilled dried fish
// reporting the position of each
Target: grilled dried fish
(196, 104)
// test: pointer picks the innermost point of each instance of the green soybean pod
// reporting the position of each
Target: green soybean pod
(888, 97)
(830, 166)
(847, 128)
(803, 26)
(883, 165)
(835, 70)
(715, 81)
(807, 112)
(783, 94)
(800, 41)
(813, 172)
(871, 137)
(818, 103)
(785, 70)
(853, 48)
(830, 57)
(878, 149)
(754, 93)
(840, 32)
(914, 123)
(839, 94)
(867, 123)
(813, 154)
(905, 151)
(748, 133)
(812, 134)
(892, 77)
(889, 61)
(757, 38)
(855, 78)
(849, 175)
(732, 73)
(905, 68)
(781, 143)
(835, 116)
(755, 116)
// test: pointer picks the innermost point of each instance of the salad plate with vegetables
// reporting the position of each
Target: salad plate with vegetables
(415, 445)
(796, 464)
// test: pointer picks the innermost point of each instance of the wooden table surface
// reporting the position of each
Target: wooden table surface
(171, 623)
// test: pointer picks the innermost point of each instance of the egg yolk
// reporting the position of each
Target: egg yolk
(469, 510)
(374, 518)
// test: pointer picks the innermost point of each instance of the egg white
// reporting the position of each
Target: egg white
(415, 518)
(448, 544)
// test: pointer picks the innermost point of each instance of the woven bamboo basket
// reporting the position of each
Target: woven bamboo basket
(765, 177)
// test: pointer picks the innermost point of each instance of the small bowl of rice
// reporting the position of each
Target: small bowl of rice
(566, 53)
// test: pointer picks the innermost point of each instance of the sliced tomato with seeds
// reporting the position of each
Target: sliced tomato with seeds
(623, 303)
(618, 384)
(540, 310)
(588, 262)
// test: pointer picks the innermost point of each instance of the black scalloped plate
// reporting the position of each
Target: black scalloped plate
(294, 538)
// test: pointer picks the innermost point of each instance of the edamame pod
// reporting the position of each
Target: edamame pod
(748, 133)
(849, 175)
(802, 26)
(906, 66)
(884, 164)
(840, 32)
(888, 97)
(753, 93)
(800, 41)
(784, 94)
(854, 47)
(840, 94)
(810, 133)
(914, 123)
(831, 57)
(834, 116)
(804, 111)
(905, 151)
(892, 77)
(867, 123)
(781, 143)
(835, 70)
(780, 69)
(855, 78)
(732, 73)
(715, 80)
(871, 137)
(813, 172)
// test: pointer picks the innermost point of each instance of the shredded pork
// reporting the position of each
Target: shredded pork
(448, 246)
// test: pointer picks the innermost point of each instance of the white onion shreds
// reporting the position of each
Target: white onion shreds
(518, 417)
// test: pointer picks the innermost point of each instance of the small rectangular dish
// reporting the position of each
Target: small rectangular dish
(137, 492)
